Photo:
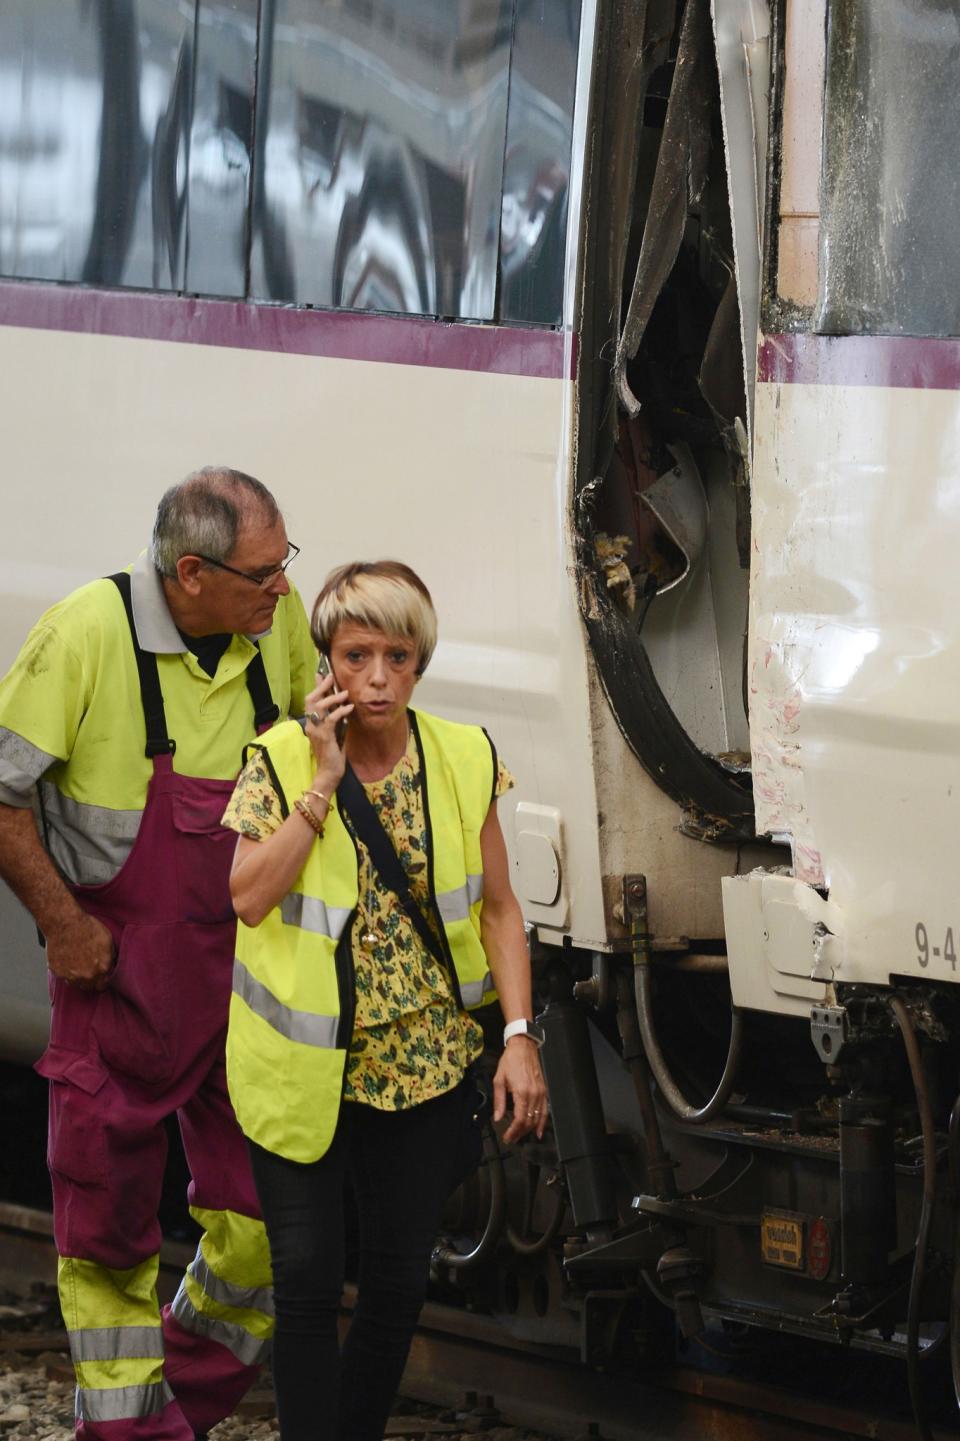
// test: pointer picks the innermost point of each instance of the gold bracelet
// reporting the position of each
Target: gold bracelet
(313, 821)
(320, 797)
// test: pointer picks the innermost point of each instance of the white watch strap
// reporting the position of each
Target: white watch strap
(520, 1028)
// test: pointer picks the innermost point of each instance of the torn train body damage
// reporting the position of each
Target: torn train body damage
(668, 437)
(661, 510)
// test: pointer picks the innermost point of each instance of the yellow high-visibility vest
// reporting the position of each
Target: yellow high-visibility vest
(291, 1013)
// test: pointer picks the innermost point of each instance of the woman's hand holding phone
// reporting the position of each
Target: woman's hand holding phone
(326, 718)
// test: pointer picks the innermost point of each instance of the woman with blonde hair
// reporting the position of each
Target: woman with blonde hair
(372, 885)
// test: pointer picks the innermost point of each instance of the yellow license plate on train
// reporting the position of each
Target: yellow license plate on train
(781, 1239)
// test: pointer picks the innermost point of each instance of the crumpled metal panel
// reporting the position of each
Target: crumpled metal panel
(680, 178)
(93, 99)
(742, 34)
(536, 172)
(380, 137)
(221, 143)
(889, 259)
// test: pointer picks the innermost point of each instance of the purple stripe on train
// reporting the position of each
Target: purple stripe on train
(338, 335)
(902, 362)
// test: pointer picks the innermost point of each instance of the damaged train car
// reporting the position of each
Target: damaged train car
(632, 325)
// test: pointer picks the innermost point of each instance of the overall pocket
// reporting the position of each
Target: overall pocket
(76, 1146)
(203, 856)
(137, 1017)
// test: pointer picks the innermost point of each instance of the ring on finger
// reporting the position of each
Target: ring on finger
(312, 715)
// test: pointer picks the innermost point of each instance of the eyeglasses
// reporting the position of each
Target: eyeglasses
(261, 577)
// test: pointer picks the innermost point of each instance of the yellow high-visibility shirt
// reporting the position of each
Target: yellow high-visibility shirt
(71, 716)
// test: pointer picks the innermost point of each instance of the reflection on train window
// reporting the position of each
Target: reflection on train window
(890, 261)
(93, 106)
(407, 156)
(537, 163)
(382, 155)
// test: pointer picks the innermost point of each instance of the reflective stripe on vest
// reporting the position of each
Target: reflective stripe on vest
(302, 1026)
(455, 905)
(312, 914)
(122, 1403)
(113, 1343)
(473, 992)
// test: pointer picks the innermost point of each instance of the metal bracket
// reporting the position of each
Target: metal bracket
(829, 1032)
(634, 897)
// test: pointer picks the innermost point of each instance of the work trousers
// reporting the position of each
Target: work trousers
(143, 1375)
(401, 1167)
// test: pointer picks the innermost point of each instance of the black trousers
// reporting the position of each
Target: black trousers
(401, 1165)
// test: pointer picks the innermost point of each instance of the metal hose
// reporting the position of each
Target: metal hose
(914, 1379)
(953, 1145)
(445, 1254)
(672, 1095)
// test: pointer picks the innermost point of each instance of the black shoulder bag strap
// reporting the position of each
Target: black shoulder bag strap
(357, 805)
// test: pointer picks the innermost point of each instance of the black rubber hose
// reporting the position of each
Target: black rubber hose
(914, 1379)
(446, 1255)
(953, 1154)
(672, 1095)
(541, 1243)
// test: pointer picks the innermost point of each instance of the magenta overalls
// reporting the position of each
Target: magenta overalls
(119, 1062)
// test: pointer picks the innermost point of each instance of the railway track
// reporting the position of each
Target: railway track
(462, 1362)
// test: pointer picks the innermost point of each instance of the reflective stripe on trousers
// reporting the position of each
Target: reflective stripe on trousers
(122, 1403)
(236, 1312)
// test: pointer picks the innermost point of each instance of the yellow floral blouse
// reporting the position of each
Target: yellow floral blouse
(410, 1040)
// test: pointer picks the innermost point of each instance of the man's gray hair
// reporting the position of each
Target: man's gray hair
(203, 515)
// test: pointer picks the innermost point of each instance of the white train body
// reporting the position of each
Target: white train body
(635, 339)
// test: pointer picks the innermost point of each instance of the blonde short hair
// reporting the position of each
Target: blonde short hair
(385, 595)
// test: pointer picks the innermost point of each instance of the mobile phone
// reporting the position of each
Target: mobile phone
(324, 668)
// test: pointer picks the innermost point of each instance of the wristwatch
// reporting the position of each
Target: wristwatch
(523, 1027)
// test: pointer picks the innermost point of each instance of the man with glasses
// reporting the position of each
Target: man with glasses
(123, 723)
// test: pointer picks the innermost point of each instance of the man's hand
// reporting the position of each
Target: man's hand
(80, 951)
(519, 1076)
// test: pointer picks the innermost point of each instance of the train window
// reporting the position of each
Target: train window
(92, 104)
(890, 263)
(394, 155)
(380, 140)
(536, 176)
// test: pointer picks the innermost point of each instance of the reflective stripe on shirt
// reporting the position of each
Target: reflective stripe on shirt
(88, 843)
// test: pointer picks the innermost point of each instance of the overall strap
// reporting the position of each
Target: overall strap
(266, 711)
(265, 708)
(356, 804)
(158, 742)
